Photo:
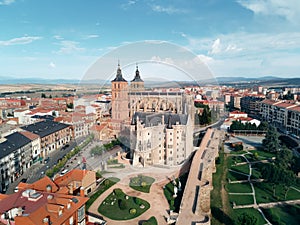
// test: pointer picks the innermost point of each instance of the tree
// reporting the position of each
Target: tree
(284, 158)
(271, 173)
(43, 95)
(271, 142)
(205, 117)
(289, 179)
(263, 126)
(122, 204)
(246, 219)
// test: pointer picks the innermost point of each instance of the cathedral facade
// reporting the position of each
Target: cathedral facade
(160, 123)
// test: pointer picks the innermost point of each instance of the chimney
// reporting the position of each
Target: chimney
(71, 188)
(82, 192)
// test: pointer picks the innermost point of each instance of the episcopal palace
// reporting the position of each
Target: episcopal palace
(160, 122)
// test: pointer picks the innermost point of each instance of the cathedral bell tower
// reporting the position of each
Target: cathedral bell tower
(137, 84)
(120, 110)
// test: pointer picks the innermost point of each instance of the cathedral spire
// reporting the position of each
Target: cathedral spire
(137, 77)
(119, 76)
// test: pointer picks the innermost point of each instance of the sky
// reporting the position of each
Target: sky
(63, 38)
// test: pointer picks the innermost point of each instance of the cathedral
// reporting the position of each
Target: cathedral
(160, 123)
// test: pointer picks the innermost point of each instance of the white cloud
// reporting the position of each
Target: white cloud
(58, 37)
(216, 47)
(168, 10)
(166, 60)
(206, 59)
(52, 65)
(20, 41)
(288, 9)
(241, 43)
(246, 54)
(129, 3)
(6, 2)
(68, 47)
(91, 36)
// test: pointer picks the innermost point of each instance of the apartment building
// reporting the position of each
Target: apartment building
(15, 158)
(284, 115)
(251, 105)
(53, 135)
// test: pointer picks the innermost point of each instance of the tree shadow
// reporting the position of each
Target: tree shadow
(222, 217)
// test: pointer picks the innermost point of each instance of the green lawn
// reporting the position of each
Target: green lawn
(264, 193)
(141, 183)
(251, 212)
(119, 206)
(239, 188)
(174, 203)
(151, 221)
(236, 176)
(287, 214)
(219, 217)
(106, 184)
(263, 154)
(241, 169)
(241, 199)
(255, 173)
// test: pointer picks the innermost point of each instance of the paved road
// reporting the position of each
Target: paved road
(36, 171)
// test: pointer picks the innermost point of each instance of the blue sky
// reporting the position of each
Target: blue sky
(63, 38)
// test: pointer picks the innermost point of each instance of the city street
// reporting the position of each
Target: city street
(36, 171)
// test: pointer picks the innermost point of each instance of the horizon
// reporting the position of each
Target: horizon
(50, 39)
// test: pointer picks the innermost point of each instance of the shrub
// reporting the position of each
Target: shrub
(122, 204)
(118, 192)
(132, 211)
(106, 182)
(137, 200)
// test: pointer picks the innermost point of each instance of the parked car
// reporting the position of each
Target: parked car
(64, 172)
(46, 160)
(24, 180)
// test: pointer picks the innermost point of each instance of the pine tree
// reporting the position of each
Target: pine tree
(271, 142)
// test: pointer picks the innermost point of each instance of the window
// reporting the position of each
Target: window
(81, 213)
(71, 220)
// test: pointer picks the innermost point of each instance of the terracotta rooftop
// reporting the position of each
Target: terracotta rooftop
(268, 101)
(285, 105)
(73, 175)
(237, 112)
(30, 135)
(296, 108)
(40, 185)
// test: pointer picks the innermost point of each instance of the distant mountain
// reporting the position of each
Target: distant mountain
(265, 81)
(11, 80)
(245, 79)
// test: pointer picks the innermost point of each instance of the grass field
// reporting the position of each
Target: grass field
(141, 183)
(255, 173)
(264, 193)
(239, 188)
(119, 206)
(263, 154)
(241, 199)
(106, 184)
(242, 168)
(287, 214)
(236, 176)
(174, 203)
